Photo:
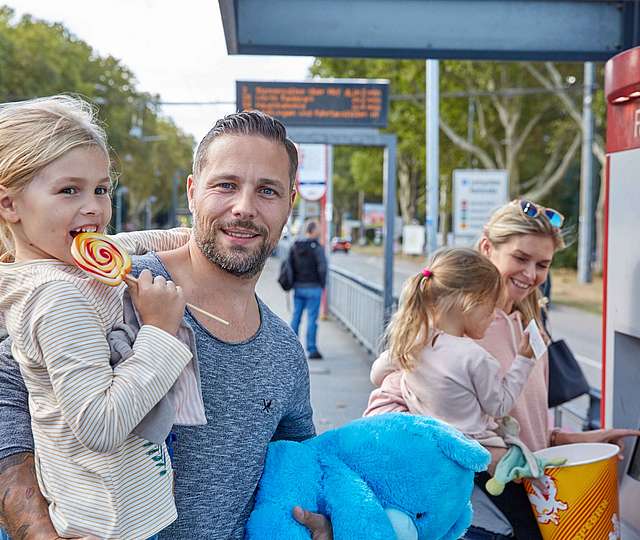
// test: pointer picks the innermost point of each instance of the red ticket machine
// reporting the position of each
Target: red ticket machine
(621, 309)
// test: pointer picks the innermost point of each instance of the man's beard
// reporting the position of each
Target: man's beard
(238, 261)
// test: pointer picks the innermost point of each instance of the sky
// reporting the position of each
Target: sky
(175, 49)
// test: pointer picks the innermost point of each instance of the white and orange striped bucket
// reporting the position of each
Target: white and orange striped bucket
(582, 495)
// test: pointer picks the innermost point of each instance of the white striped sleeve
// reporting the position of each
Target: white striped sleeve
(101, 404)
(141, 242)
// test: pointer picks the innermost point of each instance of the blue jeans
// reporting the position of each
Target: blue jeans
(476, 533)
(307, 298)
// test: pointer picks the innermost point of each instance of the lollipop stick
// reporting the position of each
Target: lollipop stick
(190, 306)
(200, 310)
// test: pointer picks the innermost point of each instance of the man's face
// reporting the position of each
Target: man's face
(240, 202)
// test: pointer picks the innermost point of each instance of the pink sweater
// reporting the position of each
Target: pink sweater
(496, 382)
(530, 410)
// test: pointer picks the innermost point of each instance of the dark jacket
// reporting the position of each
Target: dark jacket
(309, 264)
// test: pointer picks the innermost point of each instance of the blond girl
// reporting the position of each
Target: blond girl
(433, 363)
(98, 478)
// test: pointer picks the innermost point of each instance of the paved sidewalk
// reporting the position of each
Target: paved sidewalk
(340, 381)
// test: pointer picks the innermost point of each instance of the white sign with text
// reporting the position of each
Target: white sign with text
(312, 171)
(476, 194)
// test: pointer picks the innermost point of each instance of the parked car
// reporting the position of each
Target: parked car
(340, 244)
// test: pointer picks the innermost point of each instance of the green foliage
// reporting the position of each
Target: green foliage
(39, 58)
(506, 110)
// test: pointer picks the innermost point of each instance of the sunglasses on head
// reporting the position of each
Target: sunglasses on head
(555, 218)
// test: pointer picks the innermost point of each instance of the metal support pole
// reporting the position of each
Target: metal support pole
(328, 219)
(151, 199)
(585, 232)
(432, 100)
(174, 200)
(329, 208)
(389, 180)
(120, 191)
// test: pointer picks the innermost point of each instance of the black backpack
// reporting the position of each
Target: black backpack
(286, 277)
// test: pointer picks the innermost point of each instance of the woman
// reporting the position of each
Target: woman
(521, 239)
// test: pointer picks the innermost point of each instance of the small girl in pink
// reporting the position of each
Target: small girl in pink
(433, 365)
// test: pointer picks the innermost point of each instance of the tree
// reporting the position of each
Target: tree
(405, 119)
(552, 79)
(492, 115)
(39, 58)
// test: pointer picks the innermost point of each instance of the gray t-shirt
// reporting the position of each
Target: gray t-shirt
(254, 392)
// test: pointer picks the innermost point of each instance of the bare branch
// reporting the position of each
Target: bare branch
(572, 107)
(557, 89)
(462, 143)
(519, 141)
(481, 122)
(549, 167)
(559, 173)
(497, 148)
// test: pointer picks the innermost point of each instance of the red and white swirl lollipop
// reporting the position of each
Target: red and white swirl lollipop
(104, 259)
(101, 257)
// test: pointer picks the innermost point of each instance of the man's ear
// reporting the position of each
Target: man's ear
(191, 186)
(294, 193)
(8, 206)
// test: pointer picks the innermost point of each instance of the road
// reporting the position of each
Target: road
(580, 329)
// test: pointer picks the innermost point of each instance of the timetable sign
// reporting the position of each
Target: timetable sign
(318, 104)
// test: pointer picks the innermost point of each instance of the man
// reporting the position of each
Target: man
(310, 276)
(255, 381)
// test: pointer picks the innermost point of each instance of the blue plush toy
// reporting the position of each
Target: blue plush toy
(387, 477)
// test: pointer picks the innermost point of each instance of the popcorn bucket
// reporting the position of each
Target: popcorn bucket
(582, 499)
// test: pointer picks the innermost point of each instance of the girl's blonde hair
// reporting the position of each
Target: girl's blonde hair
(456, 278)
(33, 134)
(510, 221)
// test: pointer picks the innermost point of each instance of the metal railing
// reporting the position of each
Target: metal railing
(358, 304)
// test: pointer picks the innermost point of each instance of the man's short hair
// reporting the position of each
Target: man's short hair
(248, 123)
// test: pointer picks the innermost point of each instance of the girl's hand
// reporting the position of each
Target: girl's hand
(524, 349)
(159, 302)
(613, 436)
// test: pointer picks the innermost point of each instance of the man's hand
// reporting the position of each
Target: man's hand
(318, 524)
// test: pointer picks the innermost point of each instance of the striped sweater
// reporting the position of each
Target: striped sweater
(97, 477)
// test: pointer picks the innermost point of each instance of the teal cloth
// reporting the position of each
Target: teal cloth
(519, 461)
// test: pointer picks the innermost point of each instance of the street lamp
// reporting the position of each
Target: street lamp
(147, 211)
(120, 191)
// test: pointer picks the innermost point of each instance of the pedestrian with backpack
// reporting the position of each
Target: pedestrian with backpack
(309, 266)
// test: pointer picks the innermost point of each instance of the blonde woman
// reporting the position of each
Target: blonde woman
(98, 478)
(521, 239)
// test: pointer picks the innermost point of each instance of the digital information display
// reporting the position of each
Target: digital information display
(321, 104)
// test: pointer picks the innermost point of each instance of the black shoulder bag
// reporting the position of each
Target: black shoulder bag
(566, 379)
(286, 277)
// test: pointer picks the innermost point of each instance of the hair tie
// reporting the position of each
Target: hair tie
(426, 272)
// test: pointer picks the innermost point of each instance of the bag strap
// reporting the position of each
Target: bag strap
(546, 320)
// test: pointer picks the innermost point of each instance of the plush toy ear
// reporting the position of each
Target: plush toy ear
(465, 452)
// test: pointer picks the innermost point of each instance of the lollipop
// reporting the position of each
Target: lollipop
(101, 257)
(104, 259)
